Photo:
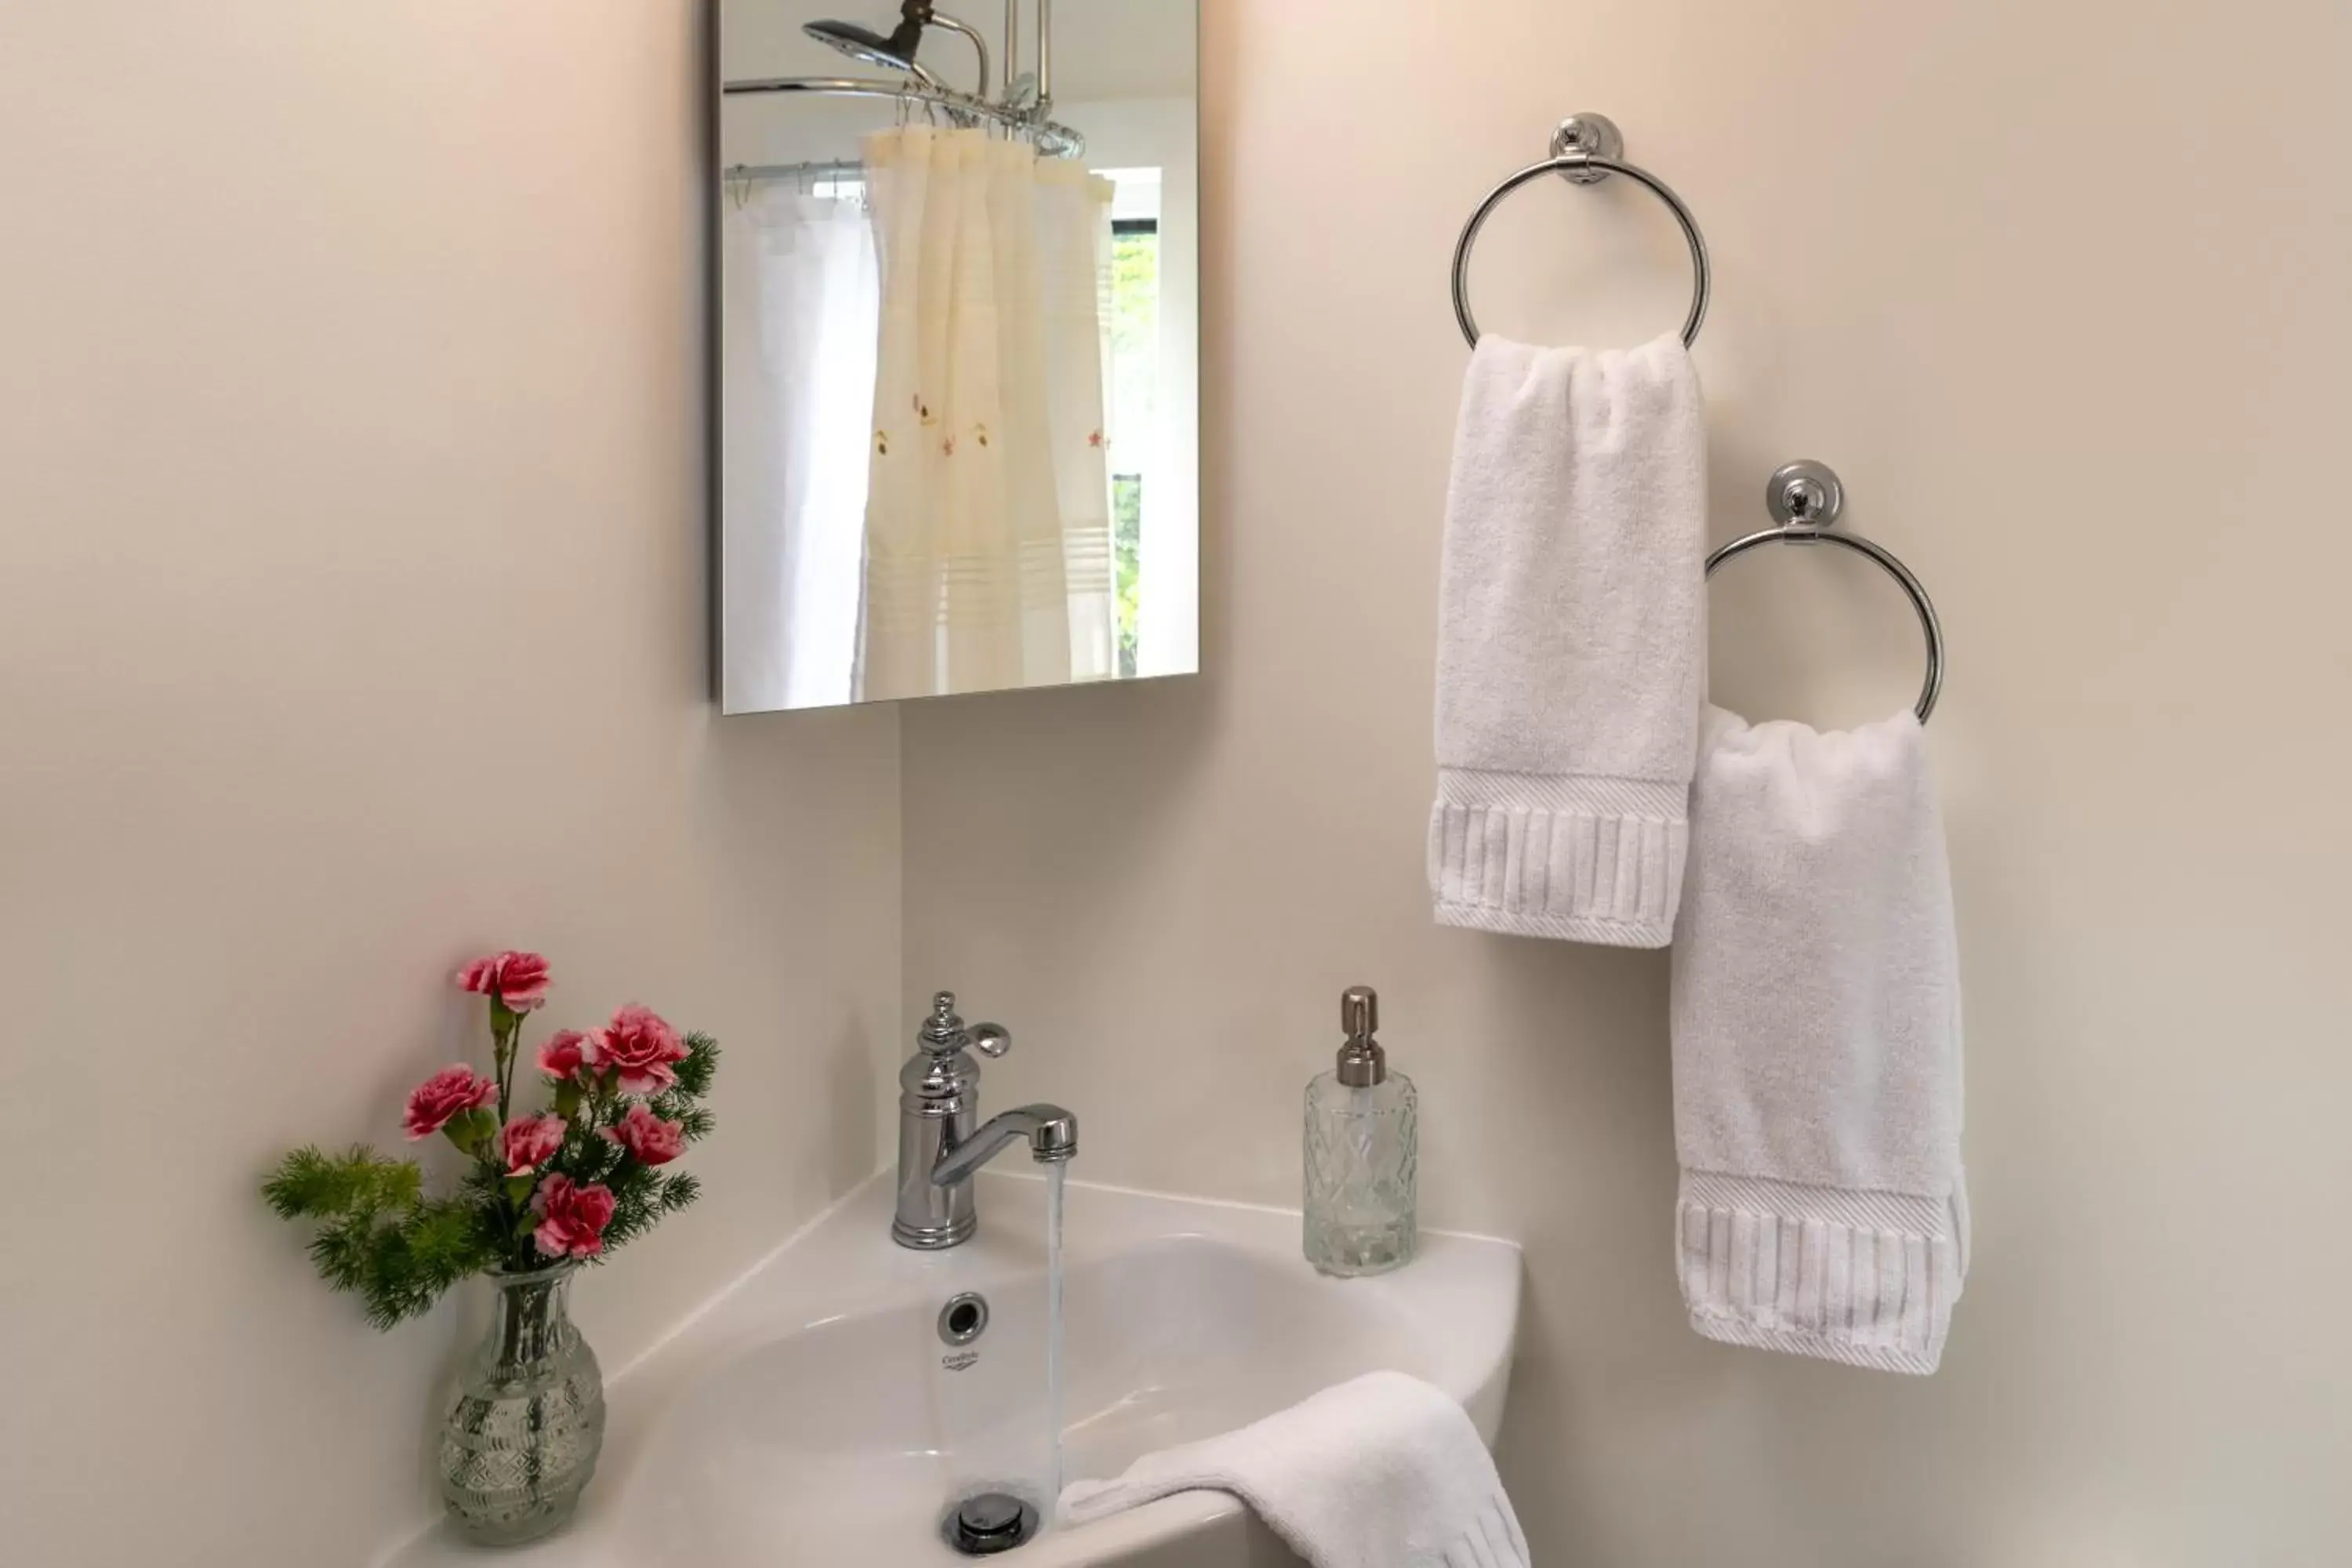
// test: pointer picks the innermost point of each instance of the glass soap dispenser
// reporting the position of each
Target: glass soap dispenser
(1362, 1151)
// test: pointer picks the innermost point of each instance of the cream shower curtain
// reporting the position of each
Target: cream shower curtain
(988, 554)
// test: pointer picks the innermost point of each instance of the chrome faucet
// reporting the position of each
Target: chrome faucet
(943, 1142)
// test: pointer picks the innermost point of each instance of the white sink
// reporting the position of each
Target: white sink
(813, 1414)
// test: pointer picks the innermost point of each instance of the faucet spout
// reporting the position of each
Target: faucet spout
(1052, 1132)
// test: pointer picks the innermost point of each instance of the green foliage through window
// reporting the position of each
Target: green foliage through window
(1127, 542)
(1135, 385)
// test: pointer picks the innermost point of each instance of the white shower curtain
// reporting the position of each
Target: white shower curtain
(988, 520)
(802, 289)
(1074, 280)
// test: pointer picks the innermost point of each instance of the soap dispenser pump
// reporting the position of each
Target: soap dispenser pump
(1362, 1151)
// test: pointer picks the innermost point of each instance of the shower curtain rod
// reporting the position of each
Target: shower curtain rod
(837, 169)
(1060, 140)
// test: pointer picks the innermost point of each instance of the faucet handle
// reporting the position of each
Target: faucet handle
(943, 1033)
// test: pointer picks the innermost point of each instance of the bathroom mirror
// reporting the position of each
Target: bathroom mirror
(957, 345)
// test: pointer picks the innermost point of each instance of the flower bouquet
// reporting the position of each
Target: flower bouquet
(544, 1191)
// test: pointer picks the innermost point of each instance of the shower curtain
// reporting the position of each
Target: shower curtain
(801, 288)
(988, 552)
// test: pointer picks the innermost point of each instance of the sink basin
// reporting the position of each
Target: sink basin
(815, 1414)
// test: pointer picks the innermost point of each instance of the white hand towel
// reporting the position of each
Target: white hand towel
(1382, 1472)
(1817, 1047)
(1572, 644)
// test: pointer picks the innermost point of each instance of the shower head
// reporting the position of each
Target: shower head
(893, 52)
(897, 51)
(865, 46)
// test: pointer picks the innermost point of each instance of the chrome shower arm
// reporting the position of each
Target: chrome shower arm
(979, 44)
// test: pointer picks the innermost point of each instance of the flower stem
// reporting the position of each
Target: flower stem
(506, 1034)
(506, 1029)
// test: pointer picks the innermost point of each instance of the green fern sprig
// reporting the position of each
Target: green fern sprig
(700, 1068)
(380, 1238)
(314, 1184)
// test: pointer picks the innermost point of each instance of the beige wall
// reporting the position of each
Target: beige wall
(350, 620)
(2059, 287)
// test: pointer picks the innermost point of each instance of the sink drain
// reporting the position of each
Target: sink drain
(989, 1522)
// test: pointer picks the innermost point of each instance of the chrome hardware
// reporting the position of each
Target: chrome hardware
(963, 1319)
(1805, 494)
(1023, 109)
(1805, 499)
(1588, 136)
(943, 1033)
(988, 1524)
(942, 1143)
(1052, 1132)
(1586, 149)
(1362, 1063)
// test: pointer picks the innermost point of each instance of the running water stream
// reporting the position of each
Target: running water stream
(1053, 1174)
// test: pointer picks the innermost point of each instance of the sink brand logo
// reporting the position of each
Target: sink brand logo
(961, 1360)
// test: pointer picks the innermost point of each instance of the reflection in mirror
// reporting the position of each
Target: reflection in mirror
(959, 342)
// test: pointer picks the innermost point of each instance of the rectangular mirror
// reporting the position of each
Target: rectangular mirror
(958, 322)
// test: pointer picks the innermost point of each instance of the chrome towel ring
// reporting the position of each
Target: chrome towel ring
(1805, 499)
(1585, 149)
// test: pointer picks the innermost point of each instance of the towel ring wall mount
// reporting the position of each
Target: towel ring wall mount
(1586, 150)
(1805, 499)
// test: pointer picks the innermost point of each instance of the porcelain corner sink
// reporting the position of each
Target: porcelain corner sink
(818, 1412)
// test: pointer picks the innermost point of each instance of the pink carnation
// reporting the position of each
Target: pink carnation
(451, 1092)
(568, 1054)
(519, 980)
(649, 1140)
(571, 1218)
(530, 1142)
(639, 1047)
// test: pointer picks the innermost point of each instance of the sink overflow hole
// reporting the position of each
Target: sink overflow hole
(964, 1319)
(989, 1522)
